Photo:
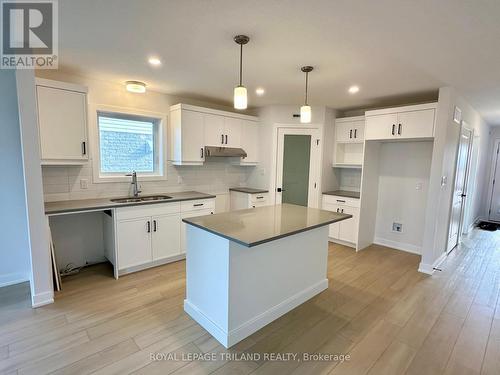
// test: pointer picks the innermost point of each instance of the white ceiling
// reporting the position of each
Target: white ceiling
(392, 49)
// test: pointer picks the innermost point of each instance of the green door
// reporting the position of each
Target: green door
(296, 157)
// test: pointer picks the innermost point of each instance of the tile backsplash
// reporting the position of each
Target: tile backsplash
(349, 179)
(215, 177)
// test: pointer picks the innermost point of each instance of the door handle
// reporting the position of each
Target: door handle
(393, 129)
(149, 226)
(279, 190)
(463, 195)
(154, 225)
(399, 129)
(350, 133)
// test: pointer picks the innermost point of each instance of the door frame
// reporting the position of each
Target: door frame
(464, 126)
(314, 130)
(495, 157)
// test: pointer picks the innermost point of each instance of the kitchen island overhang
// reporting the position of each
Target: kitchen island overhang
(246, 268)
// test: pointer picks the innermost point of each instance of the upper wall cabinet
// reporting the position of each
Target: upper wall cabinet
(350, 129)
(192, 128)
(62, 122)
(409, 122)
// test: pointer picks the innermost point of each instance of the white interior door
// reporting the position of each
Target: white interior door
(297, 182)
(494, 213)
(459, 191)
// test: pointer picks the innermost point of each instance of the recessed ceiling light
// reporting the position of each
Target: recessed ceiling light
(353, 89)
(155, 61)
(136, 87)
(260, 91)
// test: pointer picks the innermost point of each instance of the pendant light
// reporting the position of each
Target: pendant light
(240, 91)
(305, 110)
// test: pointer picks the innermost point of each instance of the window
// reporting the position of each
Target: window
(129, 142)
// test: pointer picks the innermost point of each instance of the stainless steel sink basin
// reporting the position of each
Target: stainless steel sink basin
(148, 198)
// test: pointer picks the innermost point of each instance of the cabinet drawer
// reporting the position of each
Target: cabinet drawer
(200, 204)
(340, 201)
(255, 198)
(147, 210)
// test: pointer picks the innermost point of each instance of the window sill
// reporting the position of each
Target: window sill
(140, 178)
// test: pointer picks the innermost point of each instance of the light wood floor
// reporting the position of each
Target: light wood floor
(378, 309)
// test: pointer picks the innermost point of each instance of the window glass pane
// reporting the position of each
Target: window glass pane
(126, 145)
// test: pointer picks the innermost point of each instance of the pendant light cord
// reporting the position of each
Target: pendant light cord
(307, 75)
(241, 63)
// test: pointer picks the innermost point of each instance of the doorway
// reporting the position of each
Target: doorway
(460, 188)
(494, 210)
(297, 167)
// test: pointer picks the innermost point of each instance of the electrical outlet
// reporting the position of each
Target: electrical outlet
(397, 227)
(84, 183)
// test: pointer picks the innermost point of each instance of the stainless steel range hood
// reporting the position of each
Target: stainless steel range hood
(213, 151)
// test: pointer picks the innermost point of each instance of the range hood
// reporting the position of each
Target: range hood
(214, 151)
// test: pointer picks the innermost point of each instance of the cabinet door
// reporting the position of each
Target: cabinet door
(348, 229)
(381, 126)
(333, 229)
(214, 130)
(183, 225)
(416, 124)
(232, 132)
(166, 236)
(343, 132)
(250, 141)
(134, 242)
(359, 132)
(192, 136)
(62, 119)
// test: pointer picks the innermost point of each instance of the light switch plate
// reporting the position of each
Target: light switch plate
(84, 183)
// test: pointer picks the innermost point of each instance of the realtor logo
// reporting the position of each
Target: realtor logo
(29, 34)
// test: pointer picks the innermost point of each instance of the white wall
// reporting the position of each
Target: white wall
(403, 183)
(446, 138)
(14, 243)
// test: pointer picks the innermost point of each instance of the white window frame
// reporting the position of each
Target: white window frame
(160, 139)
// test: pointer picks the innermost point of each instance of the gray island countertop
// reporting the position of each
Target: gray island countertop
(82, 205)
(255, 226)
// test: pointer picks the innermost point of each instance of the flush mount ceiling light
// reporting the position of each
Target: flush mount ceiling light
(135, 87)
(353, 89)
(260, 91)
(155, 61)
(305, 110)
(240, 91)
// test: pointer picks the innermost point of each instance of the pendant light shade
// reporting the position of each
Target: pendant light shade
(240, 91)
(305, 114)
(240, 97)
(305, 110)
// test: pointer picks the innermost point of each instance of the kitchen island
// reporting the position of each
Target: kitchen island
(246, 268)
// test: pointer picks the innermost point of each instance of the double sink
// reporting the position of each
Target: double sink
(147, 198)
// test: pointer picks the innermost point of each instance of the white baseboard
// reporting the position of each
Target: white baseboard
(409, 248)
(429, 269)
(234, 336)
(155, 263)
(13, 278)
(42, 299)
(345, 243)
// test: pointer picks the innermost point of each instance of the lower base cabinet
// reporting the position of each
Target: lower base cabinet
(147, 236)
(347, 230)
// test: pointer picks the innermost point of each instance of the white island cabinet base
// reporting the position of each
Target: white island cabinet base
(234, 290)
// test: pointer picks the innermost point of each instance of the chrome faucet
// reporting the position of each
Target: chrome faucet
(134, 182)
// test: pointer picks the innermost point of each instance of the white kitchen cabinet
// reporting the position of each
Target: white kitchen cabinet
(410, 122)
(193, 209)
(346, 231)
(214, 130)
(350, 129)
(134, 242)
(62, 122)
(250, 142)
(240, 200)
(166, 236)
(192, 128)
(187, 138)
(185, 215)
